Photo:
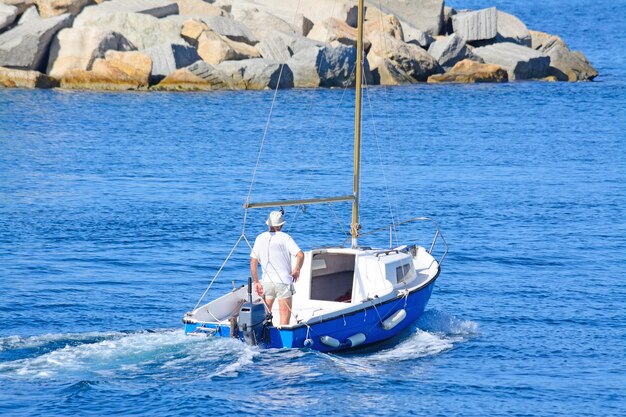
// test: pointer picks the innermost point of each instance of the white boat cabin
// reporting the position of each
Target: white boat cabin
(338, 280)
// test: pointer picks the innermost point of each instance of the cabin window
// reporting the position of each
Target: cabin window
(403, 272)
(332, 277)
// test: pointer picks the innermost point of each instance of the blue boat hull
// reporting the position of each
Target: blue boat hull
(367, 321)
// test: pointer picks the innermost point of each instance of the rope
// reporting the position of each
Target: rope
(219, 270)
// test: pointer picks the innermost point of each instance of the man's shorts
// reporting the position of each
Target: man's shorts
(278, 290)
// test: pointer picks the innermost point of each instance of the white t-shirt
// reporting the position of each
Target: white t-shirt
(274, 250)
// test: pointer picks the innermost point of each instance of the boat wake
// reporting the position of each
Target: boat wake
(160, 353)
(435, 332)
(165, 354)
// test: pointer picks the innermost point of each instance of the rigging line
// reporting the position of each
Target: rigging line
(219, 270)
(389, 129)
(267, 125)
(380, 158)
(343, 229)
(328, 126)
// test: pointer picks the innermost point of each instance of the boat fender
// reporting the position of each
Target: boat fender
(394, 320)
(355, 340)
(330, 341)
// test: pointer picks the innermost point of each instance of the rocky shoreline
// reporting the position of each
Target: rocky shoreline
(187, 45)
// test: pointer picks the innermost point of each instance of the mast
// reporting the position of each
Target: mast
(355, 226)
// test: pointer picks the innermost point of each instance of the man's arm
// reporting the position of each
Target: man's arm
(299, 261)
(254, 271)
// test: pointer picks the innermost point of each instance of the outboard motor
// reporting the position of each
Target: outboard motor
(252, 319)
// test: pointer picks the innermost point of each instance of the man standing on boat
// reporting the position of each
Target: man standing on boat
(273, 250)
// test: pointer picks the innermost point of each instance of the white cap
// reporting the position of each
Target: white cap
(275, 219)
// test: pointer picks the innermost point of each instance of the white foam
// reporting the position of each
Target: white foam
(163, 351)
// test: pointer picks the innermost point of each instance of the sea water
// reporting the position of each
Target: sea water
(117, 209)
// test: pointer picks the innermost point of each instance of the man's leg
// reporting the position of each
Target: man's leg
(284, 305)
(269, 302)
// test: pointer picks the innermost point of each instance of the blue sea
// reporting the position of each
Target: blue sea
(117, 209)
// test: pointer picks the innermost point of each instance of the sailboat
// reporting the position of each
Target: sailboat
(346, 297)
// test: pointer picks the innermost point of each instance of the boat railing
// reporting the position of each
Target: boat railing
(394, 226)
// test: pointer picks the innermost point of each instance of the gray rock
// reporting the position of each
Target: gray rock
(409, 59)
(169, 57)
(156, 8)
(142, 30)
(476, 26)
(78, 48)
(565, 65)
(26, 45)
(207, 72)
(511, 29)
(30, 15)
(8, 14)
(280, 46)
(450, 50)
(425, 15)
(448, 12)
(21, 5)
(315, 11)
(229, 28)
(256, 74)
(325, 66)
(416, 36)
(274, 48)
(520, 62)
(262, 23)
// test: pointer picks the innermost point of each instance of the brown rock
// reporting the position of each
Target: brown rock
(184, 79)
(386, 72)
(468, 71)
(214, 49)
(387, 24)
(192, 29)
(14, 78)
(49, 8)
(335, 31)
(117, 71)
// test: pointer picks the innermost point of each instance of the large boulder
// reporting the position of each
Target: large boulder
(155, 8)
(8, 14)
(142, 30)
(476, 26)
(281, 46)
(325, 66)
(565, 65)
(450, 50)
(333, 31)
(214, 48)
(117, 71)
(408, 58)
(50, 8)
(78, 48)
(198, 8)
(425, 15)
(468, 71)
(22, 5)
(388, 24)
(315, 11)
(169, 57)
(184, 79)
(521, 62)
(25, 46)
(511, 29)
(230, 29)
(387, 72)
(262, 23)
(256, 74)
(416, 36)
(14, 78)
